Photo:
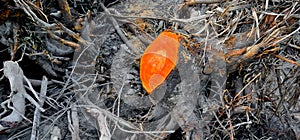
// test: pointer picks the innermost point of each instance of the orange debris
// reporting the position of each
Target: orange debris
(158, 60)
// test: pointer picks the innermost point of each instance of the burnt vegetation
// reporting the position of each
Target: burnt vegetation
(71, 69)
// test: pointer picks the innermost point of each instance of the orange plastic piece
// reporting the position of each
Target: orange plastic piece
(158, 60)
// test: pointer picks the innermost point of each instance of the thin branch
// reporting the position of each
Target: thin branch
(37, 113)
(118, 29)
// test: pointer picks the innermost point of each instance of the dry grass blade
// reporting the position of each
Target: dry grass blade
(193, 2)
(287, 60)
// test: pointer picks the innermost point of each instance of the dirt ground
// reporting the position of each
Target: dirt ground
(71, 70)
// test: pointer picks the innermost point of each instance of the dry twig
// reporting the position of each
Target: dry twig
(15, 75)
(37, 113)
(73, 123)
(118, 29)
